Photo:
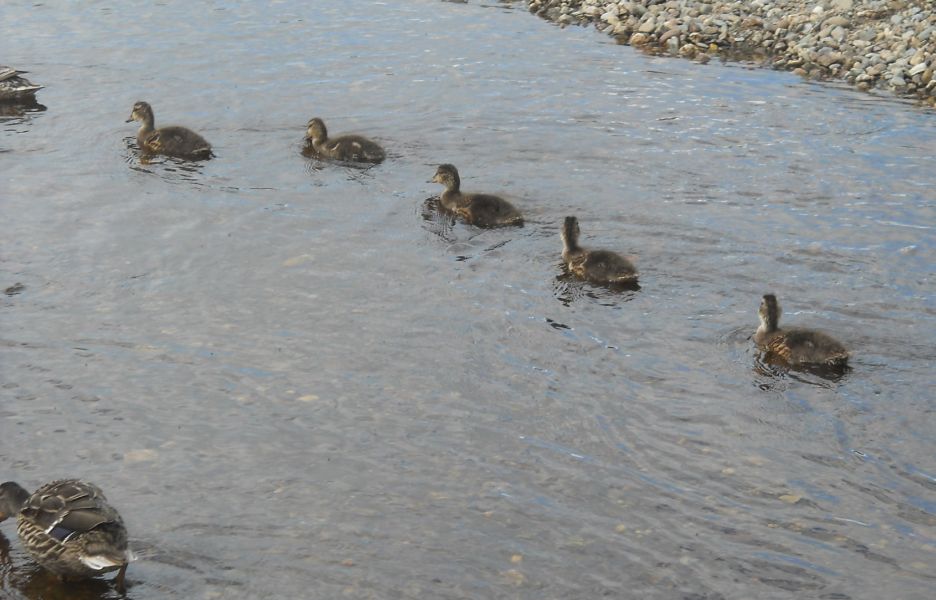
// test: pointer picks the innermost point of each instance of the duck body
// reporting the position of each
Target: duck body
(180, 142)
(347, 148)
(795, 347)
(596, 266)
(481, 210)
(68, 527)
(14, 87)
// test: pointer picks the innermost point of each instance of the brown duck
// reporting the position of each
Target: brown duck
(795, 347)
(482, 210)
(176, 141)
(596, 266)
(68, 527)
(348, 148)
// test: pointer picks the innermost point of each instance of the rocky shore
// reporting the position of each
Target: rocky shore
(885, 44)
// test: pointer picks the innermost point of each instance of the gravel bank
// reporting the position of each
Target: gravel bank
(886, 44)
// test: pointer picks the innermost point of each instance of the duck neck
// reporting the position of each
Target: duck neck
(147, 125)
(570, 245)
(450, 196)
(768, 325)
(317, 140)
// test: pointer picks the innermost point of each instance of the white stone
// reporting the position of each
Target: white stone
(647, 26)
(917, 69)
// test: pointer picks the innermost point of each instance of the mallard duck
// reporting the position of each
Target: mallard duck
(68, 527)
(16, 88)
(180, 142)
(348, 148)
(482, 210)
(596, 266)
(795, 347)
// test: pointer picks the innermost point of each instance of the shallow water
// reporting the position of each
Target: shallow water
(297, 380)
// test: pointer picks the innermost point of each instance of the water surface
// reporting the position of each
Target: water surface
(296, 380)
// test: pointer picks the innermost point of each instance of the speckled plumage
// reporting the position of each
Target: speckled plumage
(348, 148)
(173, 140)
(68, 527)
(596, 266)
(795, 347)
(14, 87)
(481, 210)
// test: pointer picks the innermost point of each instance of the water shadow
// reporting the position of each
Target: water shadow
(567, 288)
(769, 364)
(12, 110)
(437, 221)
(170, 168)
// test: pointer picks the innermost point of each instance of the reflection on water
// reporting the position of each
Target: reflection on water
(19, 109)
(568, 288)
(299, 379)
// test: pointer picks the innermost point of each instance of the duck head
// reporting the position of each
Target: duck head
(447, 175)
(12, 499)
(315, 130)
(142, 111)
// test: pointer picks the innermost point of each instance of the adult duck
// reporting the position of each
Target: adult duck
(68, 527)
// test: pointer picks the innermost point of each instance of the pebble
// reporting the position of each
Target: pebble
(870, 43)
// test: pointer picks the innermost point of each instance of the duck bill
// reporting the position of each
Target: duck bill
(130, 119)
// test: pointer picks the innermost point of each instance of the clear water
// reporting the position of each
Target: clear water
(297, 381)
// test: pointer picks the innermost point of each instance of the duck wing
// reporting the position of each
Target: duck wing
(14, 87)
(177, 141)
(605, 265)
(487, 210)
(356, 148)
(67, 507)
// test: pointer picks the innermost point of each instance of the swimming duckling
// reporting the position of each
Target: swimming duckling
(15, 88)
(68, 527)
(596, 266)
(180, 142)
(482, 210)
(795, 347)
(348, 148)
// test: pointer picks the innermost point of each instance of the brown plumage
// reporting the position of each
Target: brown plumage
(596, 266)
(14, 87)
(481, 210)
(180, 142)
(795, 347)
(68, 527)
(348, 148)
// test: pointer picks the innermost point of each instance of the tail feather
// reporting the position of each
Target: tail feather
(99, 562)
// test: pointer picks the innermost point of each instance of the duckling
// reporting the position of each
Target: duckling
(68, 527)
(482, 210)
(796, 347)
(180, 142)
(15, 88)
(596, 266)
(348, 148)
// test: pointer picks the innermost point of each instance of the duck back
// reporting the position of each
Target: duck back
(806, 346)
(486, 210)
(175, 141)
